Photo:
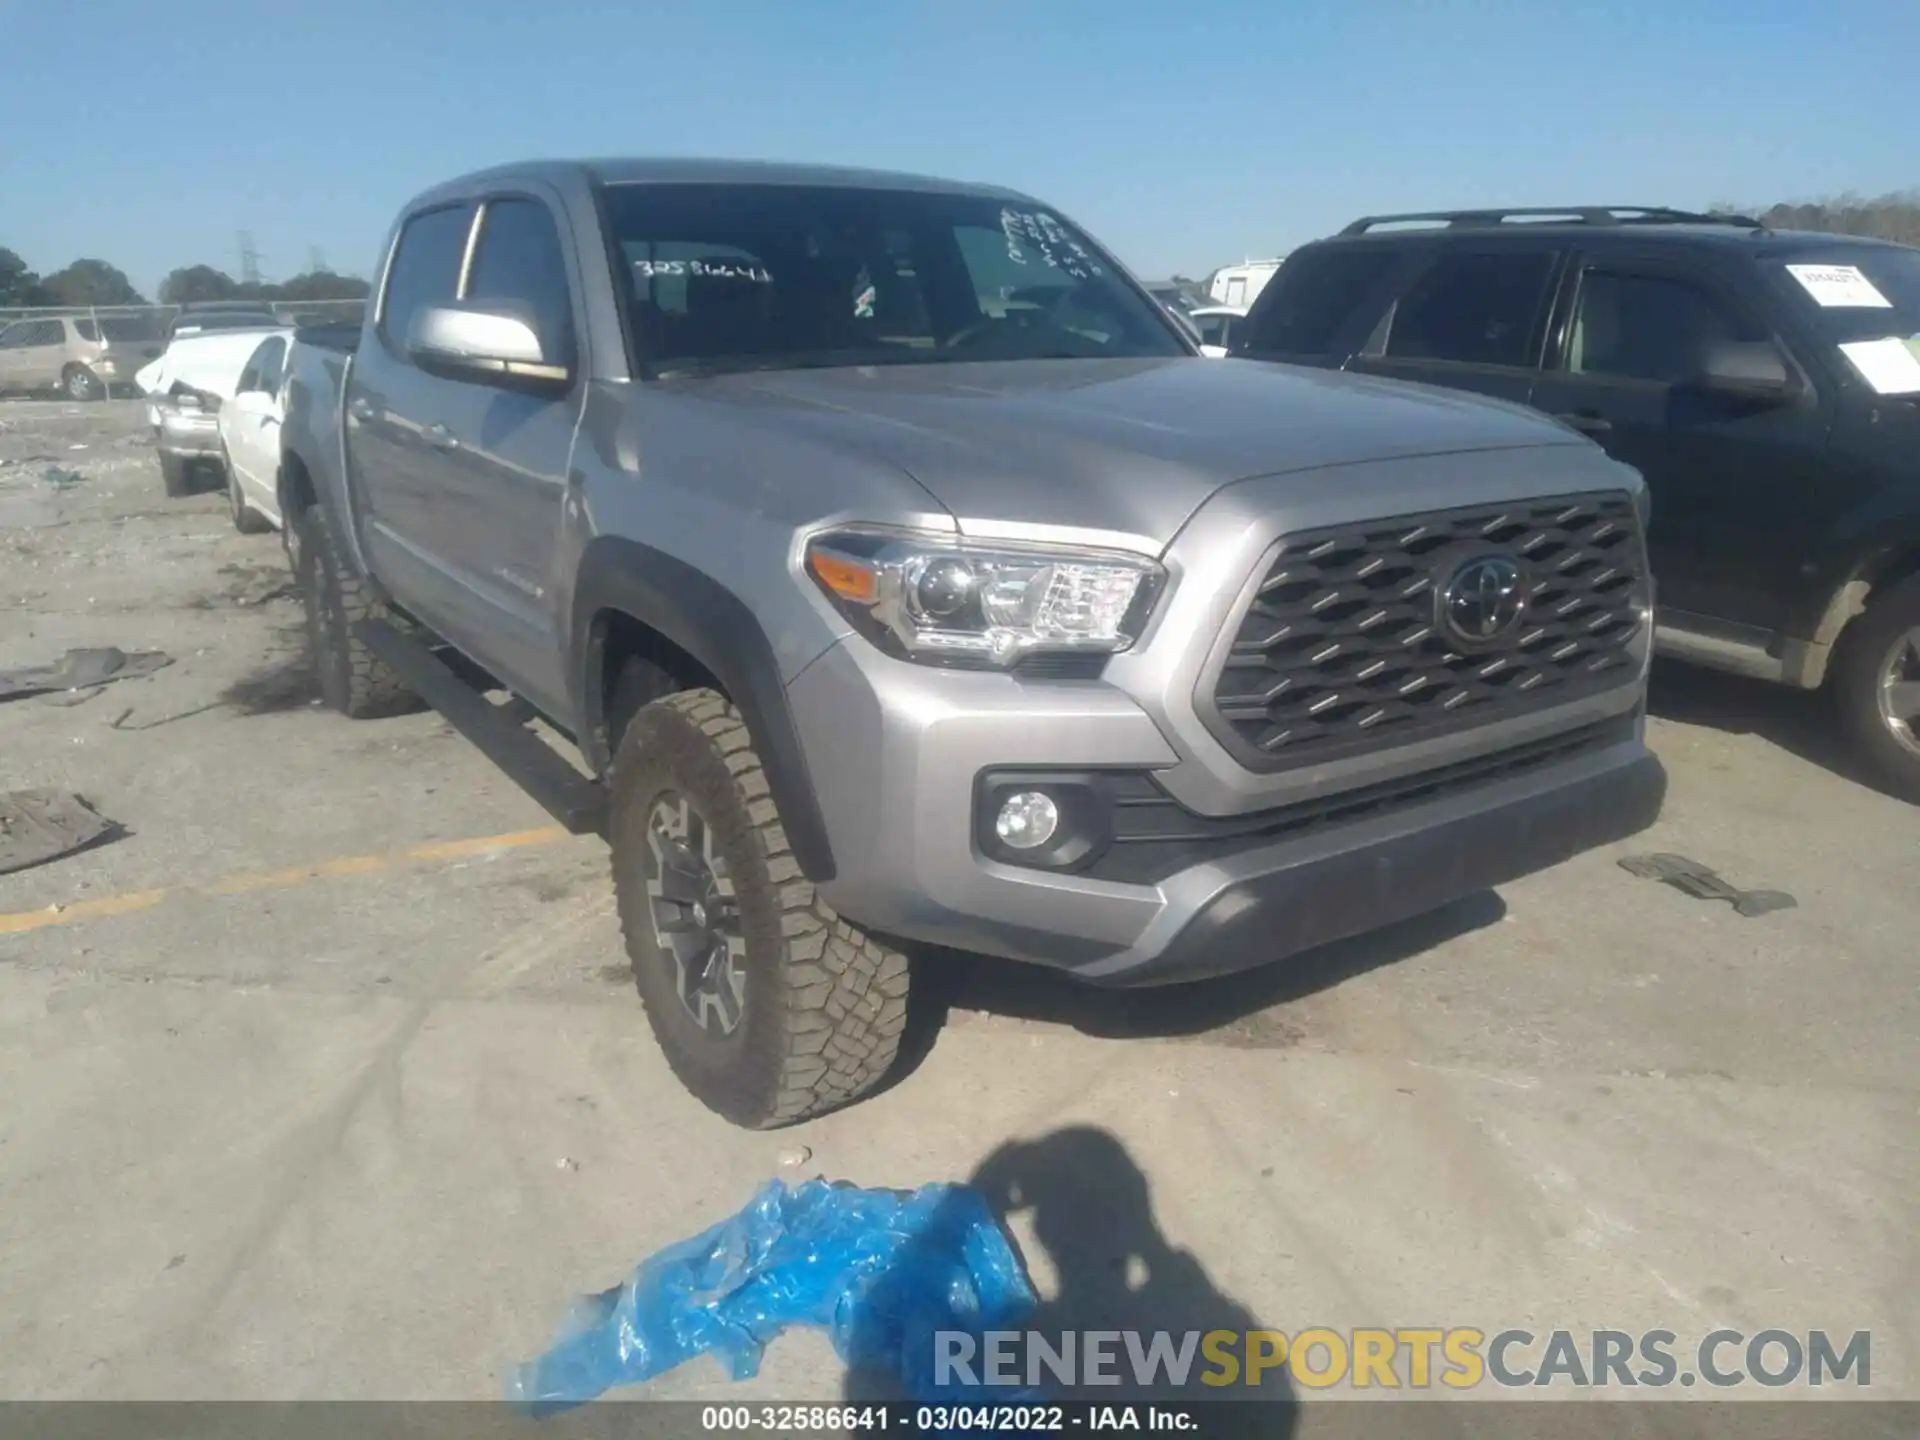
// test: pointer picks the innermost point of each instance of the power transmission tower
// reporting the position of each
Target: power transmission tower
(249, 259)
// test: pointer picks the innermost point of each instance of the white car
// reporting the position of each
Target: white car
(250, 437)
(1216, 324)
(189, 391)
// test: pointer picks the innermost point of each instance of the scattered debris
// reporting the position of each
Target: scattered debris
(76, 447)
(81, 670)
(877, 1269)
(1690, 877)
(566, 1162)
(41, 825)
(795, 1157)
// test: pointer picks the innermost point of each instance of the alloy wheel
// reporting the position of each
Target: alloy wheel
(696, 919)
(1899, 690)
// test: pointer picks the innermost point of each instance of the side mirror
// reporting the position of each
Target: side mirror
(491, 347)
(1753, 371)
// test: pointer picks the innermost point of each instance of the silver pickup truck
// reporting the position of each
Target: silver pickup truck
(901, 574)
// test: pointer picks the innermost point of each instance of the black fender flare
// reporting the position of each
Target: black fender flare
(709, 622)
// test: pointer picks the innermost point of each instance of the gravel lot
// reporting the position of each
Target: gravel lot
(326, 1077)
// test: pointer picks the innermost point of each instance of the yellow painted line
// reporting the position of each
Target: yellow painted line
(110, 905)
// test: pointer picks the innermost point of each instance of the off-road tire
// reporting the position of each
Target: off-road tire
(77, 382)
(246, 519)
(1863, 652)
(176, 476)
(352, 679)
(824, 1004)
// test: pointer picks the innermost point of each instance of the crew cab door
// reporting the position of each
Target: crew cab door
(1469, 320)
(394, 463)
(1733, 483)
(503, 481)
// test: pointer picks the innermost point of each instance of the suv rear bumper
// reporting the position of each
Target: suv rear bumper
(896, 752)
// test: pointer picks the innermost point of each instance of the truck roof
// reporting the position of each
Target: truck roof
(692, 171)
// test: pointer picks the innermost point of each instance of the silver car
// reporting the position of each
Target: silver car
(83, 356)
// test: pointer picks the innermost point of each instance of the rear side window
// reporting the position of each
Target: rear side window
(1474, 309)
(270, 362)
(518, 258)
(425, 269)
(1311, 297)
(32, 332)
(86, 330)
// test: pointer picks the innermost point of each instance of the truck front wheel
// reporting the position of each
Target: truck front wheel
(1876, 682)
(352, 679)
(770, 1008)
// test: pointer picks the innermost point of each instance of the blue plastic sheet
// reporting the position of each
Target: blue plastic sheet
(879, 1270)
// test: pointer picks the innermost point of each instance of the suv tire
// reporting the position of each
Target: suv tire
(769, 1007)
(1879, 650)
(176, 476)
(352, 679)
(80, 383)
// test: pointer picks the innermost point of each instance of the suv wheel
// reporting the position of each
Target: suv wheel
(246, 519)
(769, 1007)
(1877, 684)
(352, 679)
(80, 383)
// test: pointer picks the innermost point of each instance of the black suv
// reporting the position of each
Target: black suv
(1766, 383)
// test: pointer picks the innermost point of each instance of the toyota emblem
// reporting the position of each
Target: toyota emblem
(1483, 599)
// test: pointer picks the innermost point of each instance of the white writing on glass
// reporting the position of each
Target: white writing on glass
(715, 270)
(1043, 234)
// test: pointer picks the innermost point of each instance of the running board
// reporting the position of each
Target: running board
(499, 731)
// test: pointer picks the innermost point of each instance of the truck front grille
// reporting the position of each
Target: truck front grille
(1364, 636)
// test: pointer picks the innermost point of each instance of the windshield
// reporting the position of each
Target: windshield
(1866, 300)
(780, 276)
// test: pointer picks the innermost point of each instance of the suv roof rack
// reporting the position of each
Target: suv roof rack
(1566, 214)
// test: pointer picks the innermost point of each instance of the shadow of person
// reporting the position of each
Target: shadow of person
(1089, 1210)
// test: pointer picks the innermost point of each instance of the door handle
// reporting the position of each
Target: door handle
(441, 438)
(360, 409)
(1587, 422)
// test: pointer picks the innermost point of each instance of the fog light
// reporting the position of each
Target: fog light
(1027, 820)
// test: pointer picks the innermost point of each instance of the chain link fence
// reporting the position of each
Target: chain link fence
(289, 312)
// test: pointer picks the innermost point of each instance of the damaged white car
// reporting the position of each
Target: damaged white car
(187, 390)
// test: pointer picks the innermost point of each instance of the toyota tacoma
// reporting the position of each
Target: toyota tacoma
(900, 573)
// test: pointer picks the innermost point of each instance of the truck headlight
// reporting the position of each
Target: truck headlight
(945, 601)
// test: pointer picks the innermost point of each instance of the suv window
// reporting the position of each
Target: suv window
(425, 269)
(518, 257)
(1311, 296)
(32, 332)
(1648, 327)
(1474, 309)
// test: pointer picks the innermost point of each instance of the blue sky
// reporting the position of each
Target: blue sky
(1184, 135)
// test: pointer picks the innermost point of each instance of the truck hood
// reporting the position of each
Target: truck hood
(1129, 446)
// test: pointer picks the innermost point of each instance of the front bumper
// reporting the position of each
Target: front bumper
(894, 753)
(1278, 901)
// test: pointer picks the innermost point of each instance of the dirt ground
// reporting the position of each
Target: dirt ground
(326, 1077)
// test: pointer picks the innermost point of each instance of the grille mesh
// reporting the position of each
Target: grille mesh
(1341, 649)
